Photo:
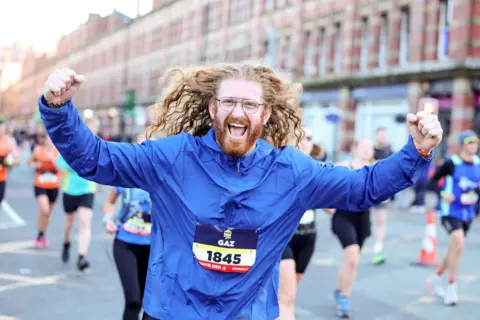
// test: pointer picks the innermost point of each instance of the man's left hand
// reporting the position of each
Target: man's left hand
(426, 131)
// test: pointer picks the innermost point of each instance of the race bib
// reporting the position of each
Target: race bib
(47, 177)
(308, 217)
(139, 224)
(225, 250)
(469, 198)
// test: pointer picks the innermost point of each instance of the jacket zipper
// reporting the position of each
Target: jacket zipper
(238, 167)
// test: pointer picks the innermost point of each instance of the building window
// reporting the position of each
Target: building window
(175, 32)
(289, 54)
(365, 45)
(308, 68)
(269, 5)
(157, 38)
(404, 35)
(322, 63)
(446, 16)
(190, 26)
(383, 50)
(280, 3)
(271, 47)
(240, 11)
(337, 49)
(211, 17)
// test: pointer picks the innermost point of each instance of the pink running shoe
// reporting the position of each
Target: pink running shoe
(40, 243)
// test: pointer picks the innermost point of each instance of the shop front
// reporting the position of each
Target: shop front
(442, 90)
(476, 92)
(382, 106)
(317, 110)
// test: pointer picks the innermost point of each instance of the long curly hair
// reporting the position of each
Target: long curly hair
(185, 100)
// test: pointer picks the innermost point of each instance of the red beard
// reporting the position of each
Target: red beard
(237, 148)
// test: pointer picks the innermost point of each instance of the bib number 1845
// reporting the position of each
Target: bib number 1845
(229, 258)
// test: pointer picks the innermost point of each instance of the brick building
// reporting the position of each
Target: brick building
(371, 59)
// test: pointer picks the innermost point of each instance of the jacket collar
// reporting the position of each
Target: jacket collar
(262, 149)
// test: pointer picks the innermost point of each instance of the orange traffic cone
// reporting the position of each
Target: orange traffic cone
(428, 254)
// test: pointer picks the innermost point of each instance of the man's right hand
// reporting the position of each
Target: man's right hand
(61, 85)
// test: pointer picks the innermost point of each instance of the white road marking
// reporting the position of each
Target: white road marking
(18, 221)
(23, 281)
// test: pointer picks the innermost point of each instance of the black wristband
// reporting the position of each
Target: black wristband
(54, 105)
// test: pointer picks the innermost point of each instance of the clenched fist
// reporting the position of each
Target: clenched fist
(61, 85)
(425, 129)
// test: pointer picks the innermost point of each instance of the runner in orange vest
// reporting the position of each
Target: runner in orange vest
(47, 182)
(8, 156)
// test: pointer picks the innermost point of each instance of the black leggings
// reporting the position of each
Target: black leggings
(3, 184)
(132, 265)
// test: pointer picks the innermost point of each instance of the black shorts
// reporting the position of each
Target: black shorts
(451, 224)
(300, 248)
(351, 227)
(3, 185)
(72, 203)
(52, 194)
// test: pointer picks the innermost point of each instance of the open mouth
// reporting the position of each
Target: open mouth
(237, 130)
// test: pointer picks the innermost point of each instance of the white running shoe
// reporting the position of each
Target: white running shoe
(451, 297)
(434, 283)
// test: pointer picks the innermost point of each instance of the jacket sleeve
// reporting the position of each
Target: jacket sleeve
(109, 163)
(326, 186)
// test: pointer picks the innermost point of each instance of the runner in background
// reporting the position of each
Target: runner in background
(78, 195)
(298, 252)
(382, 151)
(458, 208)
(318, 153)
(131, 247)
(351, 229)
(35, 137)
(8, 157)
(47, 181)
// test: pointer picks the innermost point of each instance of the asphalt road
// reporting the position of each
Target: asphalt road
(37, 285)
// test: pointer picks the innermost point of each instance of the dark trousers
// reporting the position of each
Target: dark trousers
(420, 191)
(132, 265)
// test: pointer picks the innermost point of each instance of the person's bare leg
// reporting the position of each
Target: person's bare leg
(380, 231)
(287, 289)
(348, 269)
(84, 230)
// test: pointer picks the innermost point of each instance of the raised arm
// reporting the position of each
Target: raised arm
(120, 164)
(343, 164)
(326, 186)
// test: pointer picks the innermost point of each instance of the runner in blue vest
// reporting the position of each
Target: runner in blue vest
(458, 209)
(131, 247)
(225, 201)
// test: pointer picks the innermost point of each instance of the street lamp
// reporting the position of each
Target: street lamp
(428, 104)
(88, 114)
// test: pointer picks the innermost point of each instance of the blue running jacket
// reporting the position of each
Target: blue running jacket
(220, 224)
